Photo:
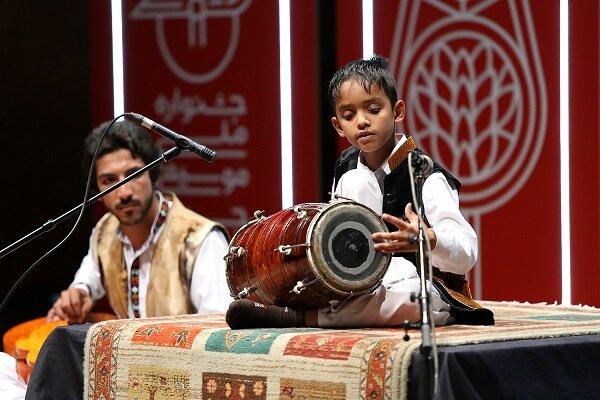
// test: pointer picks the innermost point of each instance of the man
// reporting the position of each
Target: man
(149, 255)
(147, 243)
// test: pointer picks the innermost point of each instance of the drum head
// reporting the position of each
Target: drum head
(342, 249)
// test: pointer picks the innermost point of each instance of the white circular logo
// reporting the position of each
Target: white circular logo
(201, 60)
(472, 104)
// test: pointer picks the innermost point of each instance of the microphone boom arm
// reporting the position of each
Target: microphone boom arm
(184, 143)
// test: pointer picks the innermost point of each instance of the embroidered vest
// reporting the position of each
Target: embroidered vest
(172, 261)
(454, 289)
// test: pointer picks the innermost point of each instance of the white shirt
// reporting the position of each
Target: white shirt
(208, 287)
(456, 248)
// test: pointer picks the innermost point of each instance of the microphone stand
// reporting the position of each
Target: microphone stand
(426, 373)
(426, 382)
(50, 224)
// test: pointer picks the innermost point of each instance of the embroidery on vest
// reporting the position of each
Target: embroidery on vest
(134, 280)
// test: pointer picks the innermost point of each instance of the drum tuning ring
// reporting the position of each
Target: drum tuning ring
(287, 249)
(237, 251)
(299, 287)
(301, 213)
(245, 292)
(336, 197)
(333, 306)
(303, 284)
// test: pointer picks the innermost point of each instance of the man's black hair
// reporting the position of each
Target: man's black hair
(373, 71)
(123, 134)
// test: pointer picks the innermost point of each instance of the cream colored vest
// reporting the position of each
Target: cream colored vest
(172, 262)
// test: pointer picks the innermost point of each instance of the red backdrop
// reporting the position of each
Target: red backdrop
(585, 152)
(481, 84)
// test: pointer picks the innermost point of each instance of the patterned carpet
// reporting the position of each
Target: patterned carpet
(194, 357)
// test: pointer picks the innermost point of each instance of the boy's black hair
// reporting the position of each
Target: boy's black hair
(123, 134)
(366, 72)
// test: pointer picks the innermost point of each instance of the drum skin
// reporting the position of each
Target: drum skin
(270, 275)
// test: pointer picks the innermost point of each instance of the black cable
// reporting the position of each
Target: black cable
(86, 196)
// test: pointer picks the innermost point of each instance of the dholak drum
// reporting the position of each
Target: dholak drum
(307, 256)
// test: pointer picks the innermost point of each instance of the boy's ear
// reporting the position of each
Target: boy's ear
(399, 111)
(337, 126)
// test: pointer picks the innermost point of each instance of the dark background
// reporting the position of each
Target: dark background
(44, 115)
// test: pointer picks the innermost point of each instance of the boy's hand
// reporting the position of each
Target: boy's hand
(405, 238)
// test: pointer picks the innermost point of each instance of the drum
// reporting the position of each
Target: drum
(307, 256)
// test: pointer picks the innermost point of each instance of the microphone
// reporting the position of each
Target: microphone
(421, 162)
(184, 143)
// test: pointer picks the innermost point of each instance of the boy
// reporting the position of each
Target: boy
(374, 172)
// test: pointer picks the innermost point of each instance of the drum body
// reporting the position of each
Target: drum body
(307, 256)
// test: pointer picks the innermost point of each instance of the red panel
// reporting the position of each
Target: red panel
(211, 72)
(349, 41)
(307, 165)
(349, 30)
(481, 89)
(585, 148)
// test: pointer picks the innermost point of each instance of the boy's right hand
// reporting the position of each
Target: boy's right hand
(404, 239)
(72, 306)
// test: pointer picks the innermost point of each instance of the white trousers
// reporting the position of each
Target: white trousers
(388, 305)
(12, 386)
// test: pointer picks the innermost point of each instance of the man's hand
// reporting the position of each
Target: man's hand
(72, 306)
(405, 238)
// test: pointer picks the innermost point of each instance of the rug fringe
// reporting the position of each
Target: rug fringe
(542, 303)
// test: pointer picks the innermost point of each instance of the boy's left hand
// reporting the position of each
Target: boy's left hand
(405, 238)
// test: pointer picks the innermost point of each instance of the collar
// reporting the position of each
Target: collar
(404, 145)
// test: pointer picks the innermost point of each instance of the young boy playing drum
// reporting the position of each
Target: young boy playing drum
(374, 172)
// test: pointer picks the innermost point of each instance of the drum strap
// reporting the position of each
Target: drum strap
(400, 155)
